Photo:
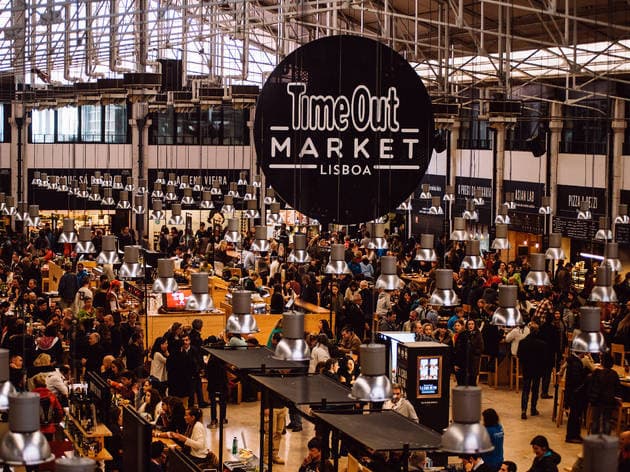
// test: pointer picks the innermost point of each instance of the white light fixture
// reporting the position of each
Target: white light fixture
(299, 254)
(232, 232)
(251, 210)
(95, 196)
(405, 206)
(389, 280)
(9, 206)
(292, 346)
(510, 204)
(426, 252)
(590, 339)
(74, 188)
(63, 185)
(68, 236)
(466, 435)
(142, 187)
(123, 202)
(545, 206)
(107, 180)
(129, 186)
(37, 180)
(372, 385)
(584, 213)
(197, 184)
(500, 237)
(603, 290)
(436, 208)
(200, 299)
(611, 257)
(377, 236)
(170, 195)
(228, 205)
(108, 254)
(44, 179)
(83, 192)
(172, 179)
(160, 178)
(604, 233)
(622, 215)
(6, 387)
(184, 182)
(449, 193)
(256, 181)
(52, 182)
(157, 191)
(216, 188)
(33, 216)
(459, 233)
(242, 178)
(138, 204)
(85, 244)
(107, 200)
(206, 200)
(241, 320)
(444, 295)
(425, 194)
(473, 259)
(337, 263)
(478, 200)
(250, 193)
(260, 243)
(555, 250)
(22, 212)
(176, 215)
(157, 213)
(470, 213)
(270, 196)
(75, 464)
(507, 315)
(502, 216)
(274, 218)
(233, 190)
(165, 281)
(131, 267)
(117, 183)
(600, 452)
(537, 276)
(188, 199)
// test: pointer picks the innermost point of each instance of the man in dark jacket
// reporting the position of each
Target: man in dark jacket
(532, 356)
(68, 286)
(182, 368)
(575, 395)
(604, 394)
(546, 460)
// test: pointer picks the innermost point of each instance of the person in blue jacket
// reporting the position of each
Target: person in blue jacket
(494, 458)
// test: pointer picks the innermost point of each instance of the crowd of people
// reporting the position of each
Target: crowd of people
(84, 330)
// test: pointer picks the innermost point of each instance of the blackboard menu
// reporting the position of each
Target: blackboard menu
(574, 228)
(429, 224)
(622, 234)
(526, 222)
(570, 197)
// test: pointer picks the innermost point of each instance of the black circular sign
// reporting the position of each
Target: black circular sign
(344, 129)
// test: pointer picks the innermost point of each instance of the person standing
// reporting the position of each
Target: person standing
(68, 287)
(532, 353)
(494, 458)
(604, 395)
(575, 395)
(181, 367)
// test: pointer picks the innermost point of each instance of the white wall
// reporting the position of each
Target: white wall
(79, 156)
(437, 165)
(474, 163)
(581, 170)
(5, 155)
(522, 166)
(200, 157)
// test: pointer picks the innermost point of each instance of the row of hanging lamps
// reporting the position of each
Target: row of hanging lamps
(507, 314)
(85, 244)
(501, 237)
(590, 339)
(388, 279)
(337, 264)
(68, 236)
(444, 295)
(299, 255)
(241, 320)
(292, 346)
(108, 254)
(165, 281)
(604, 233)
(603, 290)
(200, 299)
(426, 253)
(131, 267)
(555, 251)
(472, 258)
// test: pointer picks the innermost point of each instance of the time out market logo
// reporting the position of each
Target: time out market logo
(343, 129)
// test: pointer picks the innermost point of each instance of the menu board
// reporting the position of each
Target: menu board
(574, 228)
(622, 233)
(429, 376)
(526, 222)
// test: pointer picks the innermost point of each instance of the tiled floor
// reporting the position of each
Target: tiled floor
(245, 418)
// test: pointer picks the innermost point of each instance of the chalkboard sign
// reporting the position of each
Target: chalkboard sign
(574, 228)
(622, 234)
(526, 222)
(427, 224)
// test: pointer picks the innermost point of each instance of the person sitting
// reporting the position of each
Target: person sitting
(508, 466)
(314, 462)
(194, 440)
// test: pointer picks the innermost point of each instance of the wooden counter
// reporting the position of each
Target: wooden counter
(213, 324)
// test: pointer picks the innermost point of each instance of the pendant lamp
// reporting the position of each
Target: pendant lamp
(405, 206)
(170, 195)
(478, 200)
(256, 181)
(299, 254)
(206, 200)
(250, 193)
(75, 464)
(584, 213)
(260, 243)
(545, 206)
(444, 295)
(95, 196)
(117, 183)
(502, 216)
(85, 244)
(216, 188)
(292, 346)
(160, 178)
(459, 233)
(6, 387)
(270, 196)
(377, 240)
(449, 193)
(200, 299)
(622, 215)
(603, 290)
(600, 452)
(228, 205)
(184, 182)
(107, 200)
(232, 232)
(611, 257)
(68, 236)
(241, 320)
(537, 276)
(44, 183)
(510, 204)
(129, 186)
(108, 254)
(62, 185)
(372, 385)
(507, 315)
(604, 233)
(131, 267)
(473, 259)
(33, 216)
(500, 237)
(37, 181)
(555, 250)
(96, 178)
(107, 180)
(426, 252)
(157, 212)
(337, 263)
(172, 179)
(9, 206)
(470, 213)
(22, 212)
(425, 194)
(197, 184)
(590, 339)
(165, 281)
(138, 204)
(123, 202)
(233, 190)
(157, 191)
(83, 192)
(176, 215)
(251, 210)
(188, 199)
(389, 280)
(52, 182)
(435, 208)
(274, 218)
(74, 187)
(242, 178)
(466, 435)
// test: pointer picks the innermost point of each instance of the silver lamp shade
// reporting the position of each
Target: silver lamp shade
(459, 232)
(24, 444)
(63, 184)
(507, 314)
(170, 195)
(537, 275)
(241, 321)
(52, 182)
(85, 244)
(83, 192)
(96, 178)
(117, 183)
(470, 213)
(377, 241)
(292, 346)
(131, 267)
(228, 205)
(405, 206)
(274, 218)
(188, 199)
(74, 187)
(6, 387)
(270, 196)
(75, 464)
(129, 186)
(216, 188)
(44, 178)
(388, 280)
(500, 237)
(184, 182)
(200, 299)
(123, 200)
(250, 193)
(206, 200)
(9, 207)
(600, 452)
(165, 282)
(466, 435)
(22, 212)
(622, 215)
(435, 208)
(95, 196)
(444, 295)
(426, 193)
(372, 385)
(107, 180)
(172, 179)
(603, 290)
(502, 216)
(68, 236)
(510, 204)
(242, 178)
(232, 232)
(584, 212)
(142, 186)
(555, 250)
(449, 193)
(251, 211)
(157, 191)
(545, 206)
(299, 254)
(478, 200)
(256, 181)
(160, 178)
(176, 215)
(260, 243)
(473, 259)
(590, 338)
(33, 216)
(157, 212)
(107, 200)
(604, 233)
(233, 190)
(426, 253)
(108, 254)
(138, 204)
(37, 181)
(611, 257)
(197, 186)
(337, 263)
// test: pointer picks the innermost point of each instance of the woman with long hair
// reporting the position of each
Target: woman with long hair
(159, 355)
(494, 458)
(151, 405)
(319, 353)
(194, 439)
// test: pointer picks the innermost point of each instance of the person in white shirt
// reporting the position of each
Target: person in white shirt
(400, 404)
(195, 437)
(516, 336)
(407, 325)
(319, 353)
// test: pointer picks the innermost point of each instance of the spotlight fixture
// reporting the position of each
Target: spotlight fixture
(260, 243)
(545, 206)
(611, 257)
(436, 208)
(389, 280)
(377, 239)
(233, 190)
(165, 281)
(459, 232)
(129, 186)
(95, 196)
(299, 254)
(251, 210)
(170, 195)
(603, 290)
(274, 218)
(590, 339)
(337, 263)
(142, 187)
(157, 212)
(160, 178)
(157, 191)
(83, 192)
(426, 193)
(470, 213)
(555, 250)
(9, 206)
(507, 315)
(188, 199)
(176, 215)
(537, 276)
(242, 178)
(426, 253)
(500, 237)
(206, 200)
(85, 244)
(466, 435)
(107, 200)
(292, 346)
(502, 215)
(270, 196)
(584, 213)
(478, 200)
(604, 233)
(444, 295)
(232, 232)
(123, 202)
(138, 204)
(117, 183)
(108, 254)
(449, 193)
(241, 320)
(216, 188)
(131, 267)
(473, 259)
(622, 215)
(372, 385)
(68, 236)
(33, 216)
(510, 204)
(200, 299)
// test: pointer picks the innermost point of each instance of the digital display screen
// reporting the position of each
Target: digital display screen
(429, 376)
(176, 300)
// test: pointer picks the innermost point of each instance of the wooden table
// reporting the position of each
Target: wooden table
(419, 279)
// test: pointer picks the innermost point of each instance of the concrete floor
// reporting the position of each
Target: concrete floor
(518, 433)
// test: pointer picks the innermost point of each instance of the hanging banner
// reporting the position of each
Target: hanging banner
(344, 129)
(465, 188)
(570, 197)
(527, 195)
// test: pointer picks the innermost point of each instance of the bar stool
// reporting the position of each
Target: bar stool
(515, 373)
(622, 416)
(560, 413)
(484, 360)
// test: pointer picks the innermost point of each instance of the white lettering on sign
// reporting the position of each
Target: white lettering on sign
(576, 200)
(524, 195)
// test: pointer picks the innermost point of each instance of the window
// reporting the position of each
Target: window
(586, 128)
(67, 124)
(43, 126)
(533, 118)
(162, 129)
(235, 126)
(188, 128)
(91, 123)
(474, 133)
(116, 123)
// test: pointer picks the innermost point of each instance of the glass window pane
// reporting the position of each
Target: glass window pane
(116, 123)
(187, 128)
(91, 123)
(43, 126)
(234, 125)
(67, 124)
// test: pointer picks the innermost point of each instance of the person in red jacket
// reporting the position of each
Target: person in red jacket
(51, 411)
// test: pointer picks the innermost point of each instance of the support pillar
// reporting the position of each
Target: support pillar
(555, 131)
(618, 126)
